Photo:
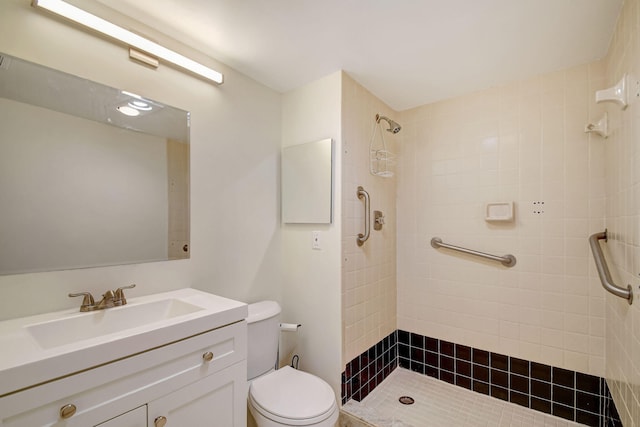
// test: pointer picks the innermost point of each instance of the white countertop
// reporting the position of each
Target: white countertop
(24, 363)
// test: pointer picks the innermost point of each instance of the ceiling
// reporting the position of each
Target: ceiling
(406, 52)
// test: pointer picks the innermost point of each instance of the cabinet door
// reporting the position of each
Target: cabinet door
(134, 418)
(218, 400)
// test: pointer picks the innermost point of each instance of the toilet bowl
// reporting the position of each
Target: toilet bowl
(288, 397)
(285, 396)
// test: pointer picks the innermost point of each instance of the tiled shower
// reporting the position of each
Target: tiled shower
(522, 142)
(564, 393)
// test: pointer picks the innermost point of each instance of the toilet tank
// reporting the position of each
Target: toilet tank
(263, 326)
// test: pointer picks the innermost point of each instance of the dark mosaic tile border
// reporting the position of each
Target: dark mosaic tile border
(568, 394)
(366, 371)
(612, 418)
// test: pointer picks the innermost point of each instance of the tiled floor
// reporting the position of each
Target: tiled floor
(438, 403)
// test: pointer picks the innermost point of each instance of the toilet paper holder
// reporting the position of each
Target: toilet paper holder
(289, 327)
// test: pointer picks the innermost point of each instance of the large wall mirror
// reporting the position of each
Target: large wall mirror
(89, 175)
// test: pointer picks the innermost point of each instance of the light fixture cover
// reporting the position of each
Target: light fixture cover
(82, 17)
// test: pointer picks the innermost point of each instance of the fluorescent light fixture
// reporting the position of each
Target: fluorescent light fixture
(107, 28)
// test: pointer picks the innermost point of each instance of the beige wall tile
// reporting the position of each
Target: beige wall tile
(525, 141)
(369, 291)
(622, 213)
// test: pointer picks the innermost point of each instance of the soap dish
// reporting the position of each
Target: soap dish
(499, 211)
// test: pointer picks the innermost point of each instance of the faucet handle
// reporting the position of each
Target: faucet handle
(119, 294)
(87, 301)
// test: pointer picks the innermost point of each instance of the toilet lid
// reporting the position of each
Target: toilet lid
(292, 394)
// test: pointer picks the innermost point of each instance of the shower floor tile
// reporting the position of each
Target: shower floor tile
(438, 403)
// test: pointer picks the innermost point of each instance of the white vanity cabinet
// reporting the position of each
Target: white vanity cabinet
(209, 402)
(134, 418)
(197, 381)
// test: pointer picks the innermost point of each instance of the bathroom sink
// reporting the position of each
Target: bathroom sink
(50, 346)
(103, 322)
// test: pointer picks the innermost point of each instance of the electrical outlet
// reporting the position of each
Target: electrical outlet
(315, 240)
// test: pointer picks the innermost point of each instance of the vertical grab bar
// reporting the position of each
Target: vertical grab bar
(603, 270)
(367, 216)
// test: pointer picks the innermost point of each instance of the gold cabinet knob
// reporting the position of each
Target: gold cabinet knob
(67, 411)
(160, 421)
(208, 356)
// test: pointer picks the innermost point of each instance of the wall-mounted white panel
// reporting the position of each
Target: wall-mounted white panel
(306, 183)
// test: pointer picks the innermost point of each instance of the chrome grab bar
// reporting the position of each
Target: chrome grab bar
(507, 260)
(367, 216)
(603, 270)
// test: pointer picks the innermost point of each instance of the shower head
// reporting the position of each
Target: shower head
(394, 127)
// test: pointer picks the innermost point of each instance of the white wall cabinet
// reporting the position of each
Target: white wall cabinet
(198, 381)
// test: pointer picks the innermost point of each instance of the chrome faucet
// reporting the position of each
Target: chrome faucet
(109, 299)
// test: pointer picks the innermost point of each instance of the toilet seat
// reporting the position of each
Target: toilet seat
(292, 397)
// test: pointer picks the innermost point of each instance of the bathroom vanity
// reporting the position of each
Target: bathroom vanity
(174, 359)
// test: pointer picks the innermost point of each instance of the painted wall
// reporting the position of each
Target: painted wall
(368, 271)
(235, 146)
(521, 142)
(311, 283)
(622, 160)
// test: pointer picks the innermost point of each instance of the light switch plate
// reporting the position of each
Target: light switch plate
(315, 242)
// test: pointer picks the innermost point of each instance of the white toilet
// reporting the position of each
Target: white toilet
(287, 396)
